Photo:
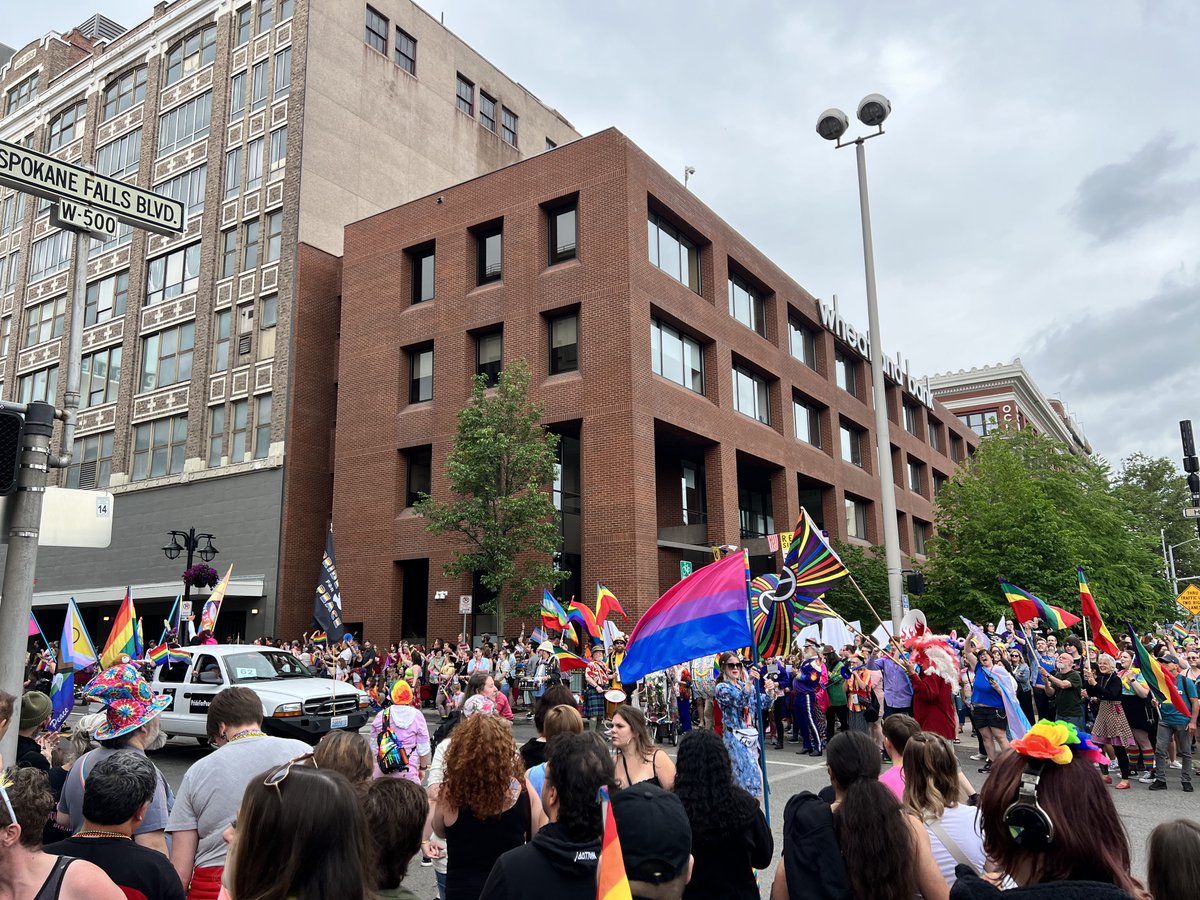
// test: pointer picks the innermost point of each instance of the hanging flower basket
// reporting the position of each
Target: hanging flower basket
(200, 576)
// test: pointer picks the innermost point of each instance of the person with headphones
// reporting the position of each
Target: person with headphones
(1032, 807)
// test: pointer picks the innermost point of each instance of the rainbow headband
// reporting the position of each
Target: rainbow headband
(1057, 742)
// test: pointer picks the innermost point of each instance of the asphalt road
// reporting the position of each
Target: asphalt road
(789, 773)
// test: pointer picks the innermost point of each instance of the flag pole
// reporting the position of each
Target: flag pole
(762, 735)
(869, 606)
(1087, 661)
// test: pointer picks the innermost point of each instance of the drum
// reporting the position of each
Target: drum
(528, 684)
(615, 696)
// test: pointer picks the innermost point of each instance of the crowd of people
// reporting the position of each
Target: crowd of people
(439, 777)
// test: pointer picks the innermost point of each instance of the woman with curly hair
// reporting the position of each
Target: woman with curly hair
(484, 807)
(730, 835)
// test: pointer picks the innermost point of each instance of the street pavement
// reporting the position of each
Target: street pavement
(789, 773)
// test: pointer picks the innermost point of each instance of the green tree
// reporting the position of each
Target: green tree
(500, 469)
(870, 572)
(1153, 493)
(1024, 510)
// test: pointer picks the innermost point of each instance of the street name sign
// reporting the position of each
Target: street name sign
(1191, 512)
(1189, 599)
(75, 216)
(45, 176)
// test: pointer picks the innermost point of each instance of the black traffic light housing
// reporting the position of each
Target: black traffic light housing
(12, 427)
(915, 582)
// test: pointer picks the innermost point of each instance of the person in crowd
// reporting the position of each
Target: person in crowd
(485, 683)
(781, 706)
(932, 793)
(1065, 685)
(26, 870)
(561, 859)
(805, 708)
(1141, 714)
(35, 710)
(449, 691)
(897, 731)
(1019, 667)
(836, 717)
(131, 712)
(350, 753)
(730, 834)
(596, 680)
(862, 846)
(1059, 857)
(897, 688)
(213, 786)
(395, 811)
(299, 833)
(1042, 701)
(934, 686)
(118, 792)
(1111, 728)
(479, 662)
(740, 702)
(637, 758)
(484, 806)
(545, 672)
(987, 707)
(860, 695)
(656, 841)
(1174, 723)
(559, 720)
(1173, 866)
(400, 737)
(533, 751)
(614, 668)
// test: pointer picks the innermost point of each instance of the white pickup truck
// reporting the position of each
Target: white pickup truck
(296, 703)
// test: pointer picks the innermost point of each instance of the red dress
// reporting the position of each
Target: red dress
(933, 705)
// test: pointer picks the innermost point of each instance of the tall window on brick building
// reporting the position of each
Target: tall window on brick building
(158, 448)
(418, 473)
(755, 511)
(564, 343)
(241, 26)
(561, 229)
(123, 92)
(852, 441)
(856, 517)
(672, 252)
(420, 374)
(67, 125)
(489, 253)
(489, 356)
(846, 371)
(807, 421)
(916, 476)
(422, 271)
(167, 357)
(191, 54)
(676, 356)
(920, 536)
(912, 418)
(746, 304)
(750, 395)
(691, 485)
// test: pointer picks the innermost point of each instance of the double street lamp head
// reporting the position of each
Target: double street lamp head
(873, 110)
(191, 543)
(172, 550)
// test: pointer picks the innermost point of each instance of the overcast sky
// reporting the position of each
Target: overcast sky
(1037, 194)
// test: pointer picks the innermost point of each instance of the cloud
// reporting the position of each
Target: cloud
(1127, 372)
(1118, 199)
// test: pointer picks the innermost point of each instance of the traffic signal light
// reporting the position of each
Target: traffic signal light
(916, 583)
(12, 425)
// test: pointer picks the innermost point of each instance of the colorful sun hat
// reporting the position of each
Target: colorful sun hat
(402, 693)
(129, 702)
(478, 705)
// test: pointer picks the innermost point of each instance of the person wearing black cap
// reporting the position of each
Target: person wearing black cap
(656, 841)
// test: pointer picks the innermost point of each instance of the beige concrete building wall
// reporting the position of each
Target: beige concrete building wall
(376, 136)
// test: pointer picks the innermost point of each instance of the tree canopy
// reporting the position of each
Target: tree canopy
(1024, 509)
(500, 470)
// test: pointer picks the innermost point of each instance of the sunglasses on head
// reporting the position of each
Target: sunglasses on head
(279, 774)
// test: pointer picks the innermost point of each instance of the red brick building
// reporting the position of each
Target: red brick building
(702, 395)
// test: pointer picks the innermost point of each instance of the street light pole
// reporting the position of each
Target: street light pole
(191, 543)
(831, 125)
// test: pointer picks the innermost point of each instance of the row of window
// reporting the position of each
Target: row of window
(464, 90)
(489, 356)
(376, 38)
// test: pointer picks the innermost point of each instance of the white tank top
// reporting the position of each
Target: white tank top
(961, 824)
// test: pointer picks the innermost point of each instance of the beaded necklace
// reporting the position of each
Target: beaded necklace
(248, 733)
(98, 833)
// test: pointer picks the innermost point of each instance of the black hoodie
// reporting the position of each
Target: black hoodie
(970, 886)
(551, 865)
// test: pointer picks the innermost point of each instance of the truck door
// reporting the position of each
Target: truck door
(205, 681)
(169, 679)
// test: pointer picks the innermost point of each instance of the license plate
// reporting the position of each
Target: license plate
(339, 721)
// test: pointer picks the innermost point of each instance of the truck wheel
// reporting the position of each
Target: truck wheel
(202, 741)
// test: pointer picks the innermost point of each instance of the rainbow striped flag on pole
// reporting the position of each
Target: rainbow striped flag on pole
(611, 882)
(1026, 607)
(1160, 683)
(554, 616)
(122, 640)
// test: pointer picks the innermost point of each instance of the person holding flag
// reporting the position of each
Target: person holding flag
(1174, 723)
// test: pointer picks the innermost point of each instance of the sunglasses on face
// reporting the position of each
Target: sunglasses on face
(733, 665)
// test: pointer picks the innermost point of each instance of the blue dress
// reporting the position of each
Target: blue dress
(734, 701)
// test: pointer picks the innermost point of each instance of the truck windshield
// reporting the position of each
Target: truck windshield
(259, 665)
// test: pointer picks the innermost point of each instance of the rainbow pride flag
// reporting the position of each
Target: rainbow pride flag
(705, 613)
(320, 639)
(1179, 631)
(1026, 607)
(612, 882)
(122, 640)
(1101, 636)
(178, 656)
(1160, 683)
(159, 655)
(568, 661)
(584, 621)
(554, 616)
(816, 567)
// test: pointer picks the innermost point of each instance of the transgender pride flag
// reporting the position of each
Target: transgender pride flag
(705, 613)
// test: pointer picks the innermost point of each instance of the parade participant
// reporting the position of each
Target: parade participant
(897, 689)
(614, 668)
(730, 835)
(484, 807)
(805, 709)
(479, 662)
(932, 667)
(1111, 728)
(987, 707)
(1032, 808)
(400, 737)
(638, 760)
(838, 713)
(1140, 713)
(545, 673)
(1173, 866)
(35, 710)
(213, 786)
(740, 702)
(933, 793)
(299, 833)
(683, 697)
(863, 846)
(596, 679)
(560, 861)
(559, 720)
(395, 811)
(1065, 685)
(449, 693)
(131, 712)
(656, 841)
(860, 696)
(26, 870)
(115, 799)
(1042, 701)
(897, 730)
(349, 753)
(1175, 724)
(1021, 675)
(533, 751)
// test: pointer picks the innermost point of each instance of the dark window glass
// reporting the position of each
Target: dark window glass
(489, 254)
(465, 96)
(673, 253)
(422, 261)
(377, 31)
(487, 111)
(420, 376)
(406, 52)
(508, 126)
(419, 476)
(489, 359)
(562, 233)
(747, 305)
(564, 343)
